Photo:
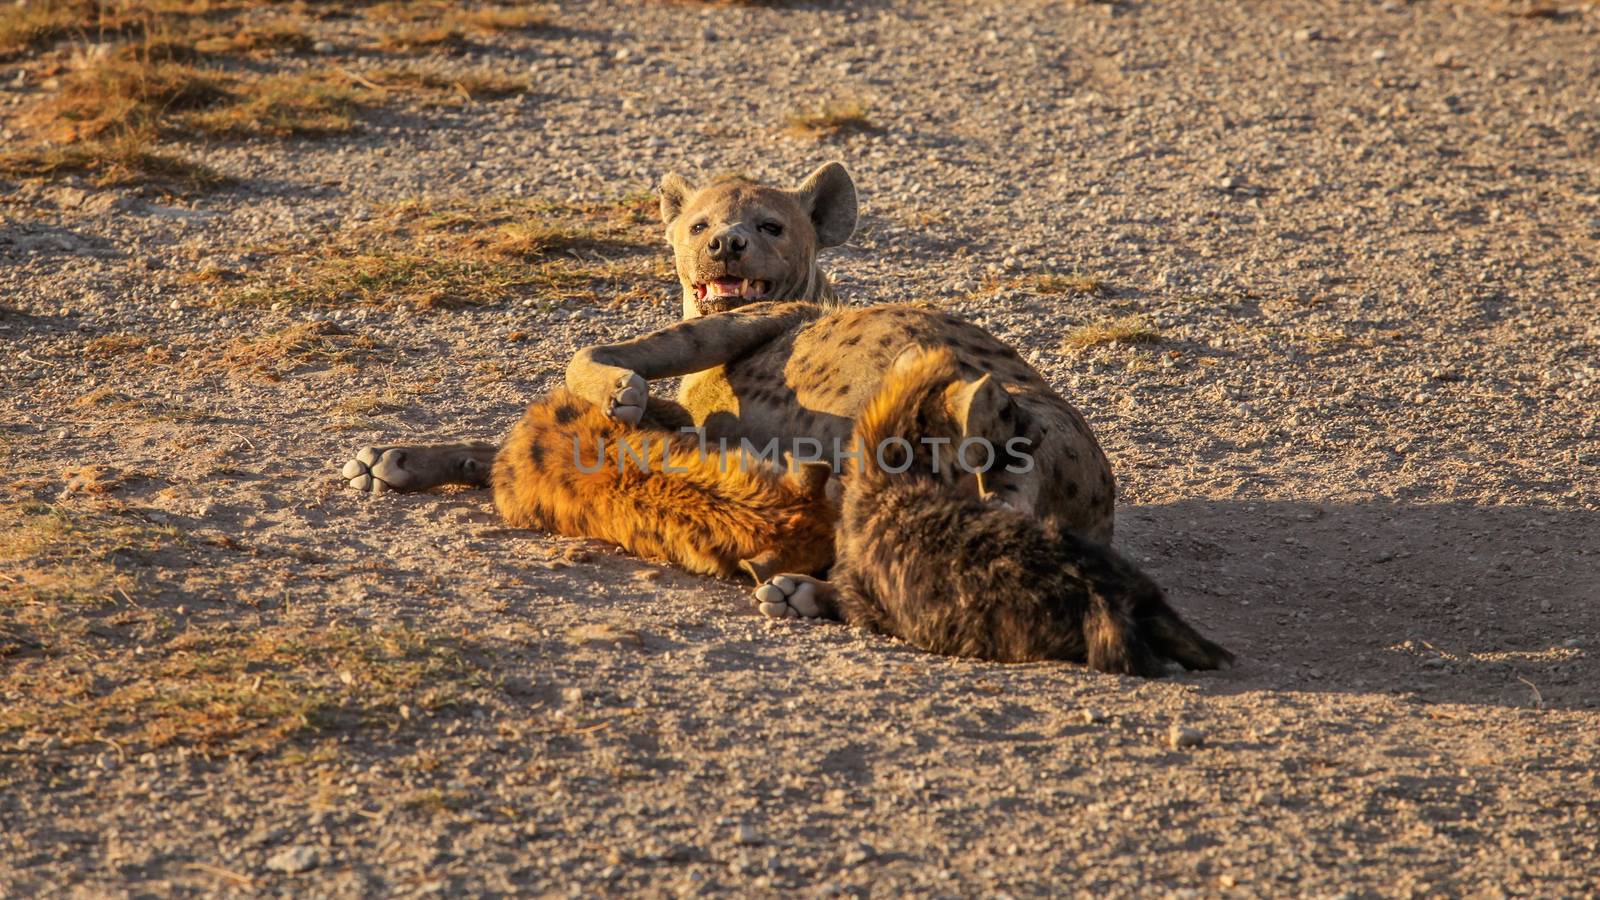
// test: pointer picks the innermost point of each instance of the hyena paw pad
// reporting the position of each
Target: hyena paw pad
(786, 598)
(376, 469)
(629, 398)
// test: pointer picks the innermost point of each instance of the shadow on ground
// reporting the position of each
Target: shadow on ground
(1450, 602)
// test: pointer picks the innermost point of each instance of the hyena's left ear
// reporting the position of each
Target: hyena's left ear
(908, 356)
(828, 195)
(674, 192)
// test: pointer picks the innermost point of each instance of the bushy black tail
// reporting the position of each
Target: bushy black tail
(1128, 626)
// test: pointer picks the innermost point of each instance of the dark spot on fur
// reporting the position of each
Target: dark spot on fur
(1072, 489)
(566, 413)
(852, 340)
(536, 453)
(886, 340)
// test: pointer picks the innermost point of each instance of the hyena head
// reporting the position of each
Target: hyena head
(928, 421)
(737, 242)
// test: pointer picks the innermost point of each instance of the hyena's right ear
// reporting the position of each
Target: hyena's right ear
(675, 192)
(810, 478)
(983, 410)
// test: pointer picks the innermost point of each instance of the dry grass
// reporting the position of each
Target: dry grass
(1074, 283)
(159, 80)
(439, 86)
(428, 254)
(67, 554)
(117, 343)
(421, 25)
(278, 354)
(227, 691)
(297, 104)
(832, 118)
(1122, 330)
(122, 159)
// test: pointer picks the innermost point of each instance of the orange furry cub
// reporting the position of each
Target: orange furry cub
(569, 468)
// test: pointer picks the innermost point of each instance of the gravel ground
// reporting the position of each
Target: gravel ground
(1364, 456)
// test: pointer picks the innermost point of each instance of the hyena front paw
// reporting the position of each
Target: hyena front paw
(794, 597)
(628, 399)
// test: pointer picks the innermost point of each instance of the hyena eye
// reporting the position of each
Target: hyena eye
(772, 228)
(697, 227)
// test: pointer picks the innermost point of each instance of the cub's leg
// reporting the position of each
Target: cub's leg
(406, 469)
(614, 376)
(797, 596)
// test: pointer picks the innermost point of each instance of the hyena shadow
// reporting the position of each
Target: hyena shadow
(1450, 602)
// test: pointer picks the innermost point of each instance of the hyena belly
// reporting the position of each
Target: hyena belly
(567, 467)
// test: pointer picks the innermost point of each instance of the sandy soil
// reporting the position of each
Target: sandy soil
(1364, 456)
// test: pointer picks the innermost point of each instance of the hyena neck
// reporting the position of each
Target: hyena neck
(819, 288)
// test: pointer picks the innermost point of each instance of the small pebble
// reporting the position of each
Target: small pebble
(1090, 716)
(1180, 737)
(294, 860)
(747, 835)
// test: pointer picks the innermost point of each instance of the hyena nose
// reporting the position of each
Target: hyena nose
(727, 245)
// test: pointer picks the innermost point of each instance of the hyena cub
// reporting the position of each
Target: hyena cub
(569, 468)
(933, 558)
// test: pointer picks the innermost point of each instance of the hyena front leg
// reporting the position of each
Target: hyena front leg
(614, 376)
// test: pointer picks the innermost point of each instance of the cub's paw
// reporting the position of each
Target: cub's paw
(628, 400)
(794, 597)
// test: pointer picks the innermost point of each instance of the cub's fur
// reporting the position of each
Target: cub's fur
(706, 512)
(927, 558)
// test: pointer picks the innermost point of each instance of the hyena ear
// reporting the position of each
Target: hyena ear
(906, 358)
(984, 410)
(828, 195)
(810, 478)
(674, 192)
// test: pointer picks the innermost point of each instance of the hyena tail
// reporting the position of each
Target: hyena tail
(1176, 639)
(1113, 641)
(1135, 634)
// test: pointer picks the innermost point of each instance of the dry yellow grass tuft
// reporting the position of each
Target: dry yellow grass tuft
(275, 355)
(421, 25)
(1122, 330)
(117, 343)
(235, 692)
(833, 117)
(439, 86)
(1076, 283)
(302, 103)
(430, 254)
(125, 158)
